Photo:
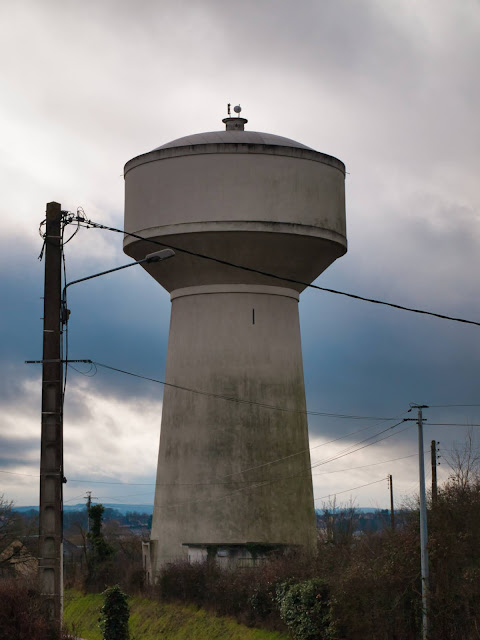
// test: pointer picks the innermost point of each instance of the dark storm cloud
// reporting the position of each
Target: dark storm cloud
(16, 451)
(121, 320)
(374, 360)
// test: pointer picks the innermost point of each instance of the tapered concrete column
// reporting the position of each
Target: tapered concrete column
(228, 472)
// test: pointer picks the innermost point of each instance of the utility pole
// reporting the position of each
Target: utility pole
(50, 565)
(433, 455)
(392, 512)
(89, 499)
(423, 524)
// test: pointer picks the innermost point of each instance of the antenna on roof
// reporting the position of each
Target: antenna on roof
(235, 122)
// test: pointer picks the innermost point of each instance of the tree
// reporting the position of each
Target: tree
(115, 615)
(100, 552)
(7, 521)
(338, 522)
(464, 461)
(14, 533)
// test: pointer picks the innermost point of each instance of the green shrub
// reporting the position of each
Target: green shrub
(115, 615)
(305, 609)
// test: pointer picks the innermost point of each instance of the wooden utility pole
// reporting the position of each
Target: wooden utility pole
(433, 454)
(51, 448)
(392, 512)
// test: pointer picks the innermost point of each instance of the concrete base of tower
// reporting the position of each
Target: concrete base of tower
(234, 461)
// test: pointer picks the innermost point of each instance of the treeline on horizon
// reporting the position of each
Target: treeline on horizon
(346, 516)
(79, 518)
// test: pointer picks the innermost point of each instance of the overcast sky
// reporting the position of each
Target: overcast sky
(389, 87)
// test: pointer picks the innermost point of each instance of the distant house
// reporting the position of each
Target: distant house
(17, 561)
(72, 552)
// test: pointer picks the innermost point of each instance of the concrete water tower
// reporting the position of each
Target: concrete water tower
(234, 478)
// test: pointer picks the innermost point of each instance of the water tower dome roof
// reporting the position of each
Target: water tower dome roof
(233, 137)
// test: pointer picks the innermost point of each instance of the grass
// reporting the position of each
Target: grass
(153, 620)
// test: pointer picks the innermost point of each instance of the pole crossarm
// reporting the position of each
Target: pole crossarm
(49, 361)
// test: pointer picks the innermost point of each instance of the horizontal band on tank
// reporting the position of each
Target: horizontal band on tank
(234, 148)
(266, 226)
(235, 288)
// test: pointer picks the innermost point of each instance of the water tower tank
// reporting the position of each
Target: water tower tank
(234, 464)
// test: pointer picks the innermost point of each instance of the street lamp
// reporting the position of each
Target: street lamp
(156, 256)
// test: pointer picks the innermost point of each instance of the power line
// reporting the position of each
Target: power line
(348, 450)
(450, 424)
(337, 457)
(88, 223)
(342, 454)
(435, 406)
(352, 489)
(256, 484)
(264, 405)
(238, 400)
(364, 466)
(16, 473)
(75, 498)
(176, 484)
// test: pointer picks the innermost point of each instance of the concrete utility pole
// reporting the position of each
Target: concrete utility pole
(392, 512)
(89, 499)
(433, 455)
(423, 524)
(51, 448)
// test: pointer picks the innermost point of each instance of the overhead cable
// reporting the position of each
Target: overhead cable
(238, 400)
(347, 490)
(443, 406)
(88, 223)
(450, 424)
(174, 484)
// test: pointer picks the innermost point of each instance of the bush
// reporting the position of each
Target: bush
(246, 593)
(305, 609)
(21, 612)
(376, 589)
(115, 615)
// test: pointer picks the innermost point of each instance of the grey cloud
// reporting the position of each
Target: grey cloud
(18, 451)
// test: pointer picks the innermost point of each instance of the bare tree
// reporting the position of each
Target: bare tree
(14, 533)
(7, 521)
(338, 521)
(464, 461)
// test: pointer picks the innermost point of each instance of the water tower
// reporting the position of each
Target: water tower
(234, 478)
